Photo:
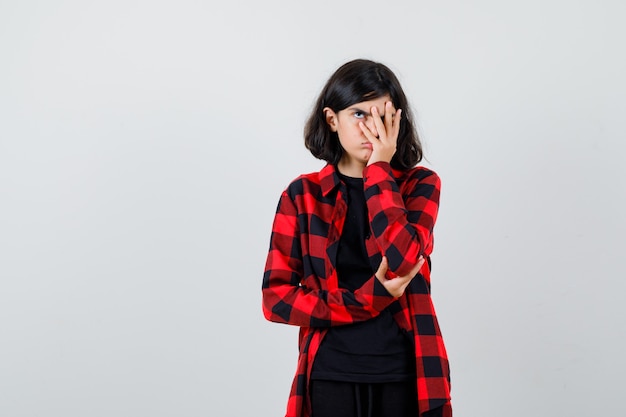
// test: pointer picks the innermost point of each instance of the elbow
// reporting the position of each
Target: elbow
(271, 307)
(267, 313)
(266, 307)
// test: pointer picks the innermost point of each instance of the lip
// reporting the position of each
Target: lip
(368, 145)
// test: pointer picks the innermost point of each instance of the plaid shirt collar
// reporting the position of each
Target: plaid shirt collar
(329, 180)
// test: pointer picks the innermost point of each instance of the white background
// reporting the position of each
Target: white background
(144, 144)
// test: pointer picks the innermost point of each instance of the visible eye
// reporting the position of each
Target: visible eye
(359, 114)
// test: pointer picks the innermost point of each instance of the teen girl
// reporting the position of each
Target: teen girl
(349, 258)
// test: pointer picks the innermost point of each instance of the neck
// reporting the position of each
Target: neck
(354, 170)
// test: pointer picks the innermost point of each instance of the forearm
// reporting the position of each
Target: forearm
(402, 223)
(300, 306)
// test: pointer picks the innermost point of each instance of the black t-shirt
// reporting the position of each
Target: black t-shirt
(374, 350)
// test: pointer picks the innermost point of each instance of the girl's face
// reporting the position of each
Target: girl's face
(356, 148)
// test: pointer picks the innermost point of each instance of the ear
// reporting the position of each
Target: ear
(331, 118)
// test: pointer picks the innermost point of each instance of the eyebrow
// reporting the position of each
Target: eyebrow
(356, 109)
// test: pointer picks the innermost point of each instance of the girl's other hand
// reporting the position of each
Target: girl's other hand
(396, 286)
(384, 146)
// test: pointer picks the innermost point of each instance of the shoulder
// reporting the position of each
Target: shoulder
(419, 181)
(417, 174)
(303, 184)
(307, 184)
(314, 183)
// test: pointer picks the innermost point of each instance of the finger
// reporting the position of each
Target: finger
(404, 280)
(368, 133)
(383, 264)
(389, 116)
(382, 270)
(420, 263)
(396, 122)
(417, 267)
(378, 123)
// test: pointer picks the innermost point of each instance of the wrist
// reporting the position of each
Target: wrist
(377, 158)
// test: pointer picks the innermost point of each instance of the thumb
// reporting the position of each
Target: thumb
(382, 268)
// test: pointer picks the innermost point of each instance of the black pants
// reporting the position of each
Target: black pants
(350, 399)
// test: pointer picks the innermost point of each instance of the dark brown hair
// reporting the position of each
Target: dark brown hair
(354, 82)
